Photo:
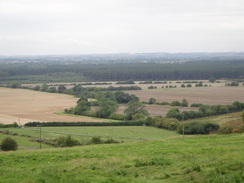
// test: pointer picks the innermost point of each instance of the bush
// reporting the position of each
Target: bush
(197, 128)
(174, 113)
(96, 140)
(110, 141)
(164, 103)
(9, 144)
(196, 105)
(167, 123)
(67, 142)
(184, 103)
(175, 103)
(225, 130)
(117, 116)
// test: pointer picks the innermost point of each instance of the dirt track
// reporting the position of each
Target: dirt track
(18, 105)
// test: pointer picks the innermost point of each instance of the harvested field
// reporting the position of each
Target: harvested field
(18, 105)
(158, 110)
(205, 95)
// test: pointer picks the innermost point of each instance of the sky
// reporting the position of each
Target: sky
(44, 27)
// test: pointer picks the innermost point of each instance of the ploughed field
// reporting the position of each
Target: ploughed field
(18, 105)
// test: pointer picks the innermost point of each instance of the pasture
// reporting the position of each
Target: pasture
(24, 143)
(196, 159)
(84, 134)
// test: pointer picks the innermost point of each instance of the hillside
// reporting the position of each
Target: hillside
(193, 159)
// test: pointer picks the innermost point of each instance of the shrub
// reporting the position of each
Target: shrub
(9, 144)
(225, 130)
(96, 140)
(197, 128)
(175, 103)
(174, 113)
(167, 123)
(196, 105)
(184, 103)
(67, 142)
(117, 116)
(164, 103)
(110, 141)
(152, 101)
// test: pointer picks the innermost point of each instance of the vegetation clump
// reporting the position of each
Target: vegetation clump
(67, 141)
(8, 144)
(197, 128)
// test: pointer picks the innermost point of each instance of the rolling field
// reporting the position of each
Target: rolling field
(198, 159)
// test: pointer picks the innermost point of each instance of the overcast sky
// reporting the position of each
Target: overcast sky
(30, 27)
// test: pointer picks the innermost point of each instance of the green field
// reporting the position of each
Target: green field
(121, 133)
(212, 158)
(24, 143)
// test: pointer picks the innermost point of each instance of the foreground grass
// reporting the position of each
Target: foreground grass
(196, 159)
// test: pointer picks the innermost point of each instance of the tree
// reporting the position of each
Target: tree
(174, 113)
(53, 89)
(37, 87)
(9, 144)
(105, 95)
(107, 108)
(44, 87)
(152, 101)
(184, 103)
(82, 106)
(134, 108)
(61, 88)
(123, 97)
(14, 84)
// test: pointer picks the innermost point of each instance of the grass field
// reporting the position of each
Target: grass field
(83, 134)
(213, 159)
(24, 143)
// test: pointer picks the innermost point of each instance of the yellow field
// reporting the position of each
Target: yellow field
(22, 106)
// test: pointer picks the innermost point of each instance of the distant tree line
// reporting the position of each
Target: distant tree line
(126, 71)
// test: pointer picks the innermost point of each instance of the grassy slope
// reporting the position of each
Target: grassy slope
(125, 133)
(24, 143)
(197, 159)
(231, 120)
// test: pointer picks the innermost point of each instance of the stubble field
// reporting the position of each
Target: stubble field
(18, 105)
